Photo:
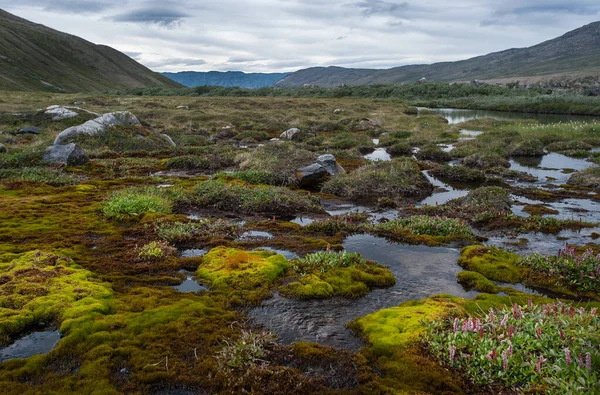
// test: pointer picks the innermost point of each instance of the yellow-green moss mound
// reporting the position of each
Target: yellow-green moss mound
(493, 263)
(42, 287)
(226, 268)
(326, 274)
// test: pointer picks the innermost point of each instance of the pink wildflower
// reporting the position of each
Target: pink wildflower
(538, 365)
(504, 320)
(455, 326)
(562, 334)
(452, 353)
(538, 331)
(510, 350)
(568, 355)
(588, 360)
(504, 361)
(511, 331)
(492, 315)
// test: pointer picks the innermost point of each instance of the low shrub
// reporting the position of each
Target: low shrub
(549, 348)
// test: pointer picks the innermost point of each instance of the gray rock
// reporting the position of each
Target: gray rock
(29, 130)
(338, 110)
(3, 148)
(183, 107)
(290, 133)
(68, 154)
(59, 113)
(169, 139)
(312, 175)
(97, 125)
(330, 164)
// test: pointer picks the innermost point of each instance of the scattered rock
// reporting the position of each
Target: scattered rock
(78, 103)
(29, 130)
(338, 111)
(370, 122)
(183, 107)
(290, 133)
(59, 113)
(312, 175)
(330, 164)
(98, 125)
(68, 155)
(3, 148)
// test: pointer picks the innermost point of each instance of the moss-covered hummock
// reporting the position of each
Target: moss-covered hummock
(493, 263)
(38, 287)
(229, 268)
(323, 275)
(393, 336)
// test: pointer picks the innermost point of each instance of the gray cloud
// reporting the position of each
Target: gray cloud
(160, 16)
(286, 35)
(175, 62)
(375, 7)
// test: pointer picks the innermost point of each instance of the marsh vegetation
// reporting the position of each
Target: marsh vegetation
(442, 266)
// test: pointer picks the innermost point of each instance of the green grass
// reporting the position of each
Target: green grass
(134, 201)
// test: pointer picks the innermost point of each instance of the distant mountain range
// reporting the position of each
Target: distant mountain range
(35, 57)
(576, 53)
(227, 78)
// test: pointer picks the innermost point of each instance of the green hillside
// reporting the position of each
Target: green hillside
(575, 52)
(35, 57)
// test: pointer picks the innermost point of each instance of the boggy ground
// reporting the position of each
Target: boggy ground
(95, 250)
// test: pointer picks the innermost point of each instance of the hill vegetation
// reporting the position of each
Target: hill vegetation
(36, 58)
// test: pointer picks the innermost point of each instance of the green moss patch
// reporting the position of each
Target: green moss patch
(229, 268)
(326, 274)
(493, 263)
(40, 287)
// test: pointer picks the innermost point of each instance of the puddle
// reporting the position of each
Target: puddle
(550, 165)
(544, 243)
(194, 253)
(289, 255)
(380, 154)
(303, 221)
(471, 133)
(420, 272)
(254, 234)
(333, 208)
(439, 198)
(189, 284)
(32, 344)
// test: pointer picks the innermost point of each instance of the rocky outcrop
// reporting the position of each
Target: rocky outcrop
(317, 173)
(97, 125)
(66, 155)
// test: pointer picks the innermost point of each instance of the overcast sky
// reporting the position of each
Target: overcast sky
(287, 35)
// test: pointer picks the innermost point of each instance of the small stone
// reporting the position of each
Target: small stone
(183, 107)
(3, 149)
(29, 130)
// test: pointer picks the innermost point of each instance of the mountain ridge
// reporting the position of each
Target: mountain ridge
(226, 78)
(36, 57)
(576, 50)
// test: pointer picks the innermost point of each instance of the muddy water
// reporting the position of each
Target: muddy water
(420, 272)
(32, 344)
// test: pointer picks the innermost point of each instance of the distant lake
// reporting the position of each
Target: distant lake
(456, 115)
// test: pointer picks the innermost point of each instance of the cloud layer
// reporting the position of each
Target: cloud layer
(286, 35)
